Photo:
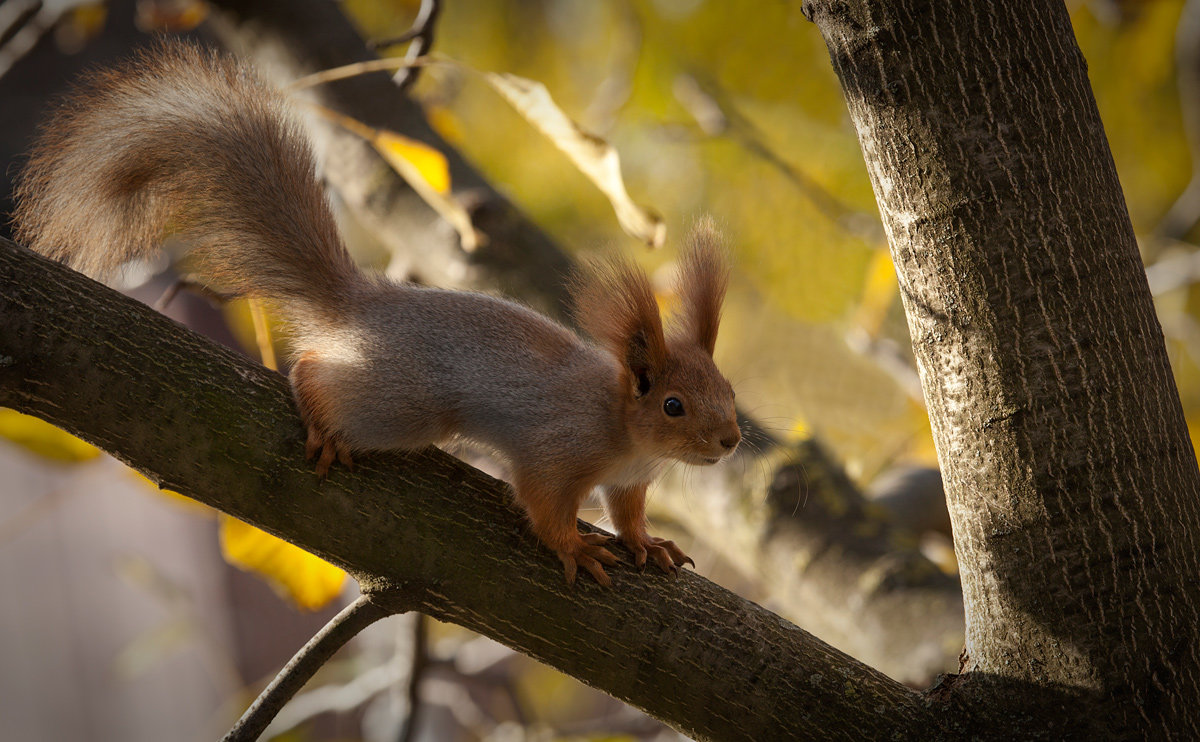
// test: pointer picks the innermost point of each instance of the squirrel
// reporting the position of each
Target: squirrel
(190, 141)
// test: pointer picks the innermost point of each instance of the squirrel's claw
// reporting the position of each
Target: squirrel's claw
(328, 448)
(589, 554)
(661, 551)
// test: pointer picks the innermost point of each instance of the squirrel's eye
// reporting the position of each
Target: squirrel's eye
(673, 407)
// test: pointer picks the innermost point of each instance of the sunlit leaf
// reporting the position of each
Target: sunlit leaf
(44, 439)
(262, 335)
(425, 169)
(801, 429)
(430, 164)
(308, 581)
(595, 158)
(182, 501)
(879, 292)
(422, 167)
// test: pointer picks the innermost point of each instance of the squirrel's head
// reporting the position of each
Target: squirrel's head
(678, 405)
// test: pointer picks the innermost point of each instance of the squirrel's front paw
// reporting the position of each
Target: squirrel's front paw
(330, 447)
(587, 552)
(662, 552)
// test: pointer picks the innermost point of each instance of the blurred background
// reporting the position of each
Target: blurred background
(130, 614)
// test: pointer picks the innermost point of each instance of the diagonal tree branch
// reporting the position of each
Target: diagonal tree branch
(287, 39)
(198, 419)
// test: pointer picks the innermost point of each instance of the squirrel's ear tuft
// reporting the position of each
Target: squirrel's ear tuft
(701, 284)
(615, 305)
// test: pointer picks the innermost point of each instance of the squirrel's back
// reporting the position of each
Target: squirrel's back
(184, 141)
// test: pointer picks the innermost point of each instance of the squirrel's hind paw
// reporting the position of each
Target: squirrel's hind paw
(326, 448)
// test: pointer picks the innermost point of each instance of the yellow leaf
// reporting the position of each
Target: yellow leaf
(878, 293)
(44, 439)
(425, 169)
(182, 501)
(262, 335)
(445, 123)
(801, 429)
(595, 158)
(430, 164)
(309, 581)
(1193, 425)
(421, 166)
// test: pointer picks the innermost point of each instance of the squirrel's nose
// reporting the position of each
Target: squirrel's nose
(730, 442)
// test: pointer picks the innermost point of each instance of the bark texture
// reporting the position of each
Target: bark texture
(200, 420)
(1072, 484)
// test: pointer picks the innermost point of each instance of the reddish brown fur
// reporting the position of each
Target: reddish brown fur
(614, 304)
(701, 284)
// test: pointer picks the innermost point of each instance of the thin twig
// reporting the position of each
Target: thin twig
(193, 286)
(17, 15)
(716, 113)
(333, 636)
(332, 698)
(420, 662)
(360, 68)
(29, 22)
(422, 42)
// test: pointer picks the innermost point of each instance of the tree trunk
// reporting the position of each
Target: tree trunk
(1071, 481)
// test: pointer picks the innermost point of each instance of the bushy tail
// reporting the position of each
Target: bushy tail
(188, 142)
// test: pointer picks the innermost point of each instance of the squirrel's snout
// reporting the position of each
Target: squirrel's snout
(731, 442)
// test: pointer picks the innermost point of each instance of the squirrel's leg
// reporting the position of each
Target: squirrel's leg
(552, 507)
(314, 410)
(627, 508)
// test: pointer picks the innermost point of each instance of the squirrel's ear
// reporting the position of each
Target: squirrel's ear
(615, 305)
(703, 278)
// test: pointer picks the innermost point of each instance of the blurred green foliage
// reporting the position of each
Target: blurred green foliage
(733, 109)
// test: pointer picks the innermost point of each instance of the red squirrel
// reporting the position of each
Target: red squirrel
(189, 141)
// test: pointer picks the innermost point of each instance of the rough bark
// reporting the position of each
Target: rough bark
(1071, 481)
(200, 420)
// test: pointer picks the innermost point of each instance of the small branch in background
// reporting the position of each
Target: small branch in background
(333, 636)
(889, 357)
(1174, 271)
(613, 92)
(15, 16)
(1184, 214)
(22, 23)
(913, 497)
(420, 663)
(421, 35)
(192, 286)
(367, 684)
(717, 114)
(1180, 326)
